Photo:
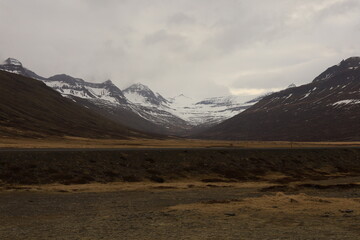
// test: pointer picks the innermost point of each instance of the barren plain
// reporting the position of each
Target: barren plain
(193, 193)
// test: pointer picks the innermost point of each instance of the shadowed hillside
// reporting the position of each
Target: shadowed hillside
(29, 108)
(327, 109)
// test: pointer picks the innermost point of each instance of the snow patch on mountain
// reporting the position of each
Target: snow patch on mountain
(140, 99)
(347, 102)
(13, 65)
(12, 61)
(208, 111)
(68, 85)
(291, 86)
(141, 94)
(195, 112)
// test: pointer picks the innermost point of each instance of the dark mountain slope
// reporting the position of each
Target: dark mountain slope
(15, 66)
(328, 109)
(108, 100)
(29, 108)
(138, 107)
(124, 116)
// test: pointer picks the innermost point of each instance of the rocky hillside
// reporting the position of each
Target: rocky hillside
(28, 108)
(327, 109)
(138, 106)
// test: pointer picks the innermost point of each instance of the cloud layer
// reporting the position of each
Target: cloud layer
(200, 48)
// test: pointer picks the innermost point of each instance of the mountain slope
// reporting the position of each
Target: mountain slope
(138, 106)
(70, 86)
(15, 66)
(155, 108)
(29, 108)
(143, 95)
(327, 109)
(211, 111)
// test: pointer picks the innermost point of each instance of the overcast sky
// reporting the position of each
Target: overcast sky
(200, 48)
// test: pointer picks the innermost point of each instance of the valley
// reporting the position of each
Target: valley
(326, 109)
(180, 120)
(138, 106)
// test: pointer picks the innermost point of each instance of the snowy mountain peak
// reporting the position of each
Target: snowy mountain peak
(66, 79)
(350, 64)
(178, 113)
(139, 93)
(181, 96)
(12, 61)
(224, 100)
(182, 100)
(15, 66)
(291, 85)
(106, 91)
(108, 82)
(138, 87)
(351, 59)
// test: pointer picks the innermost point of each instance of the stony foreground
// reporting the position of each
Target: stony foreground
(180, 194)
(325, 210)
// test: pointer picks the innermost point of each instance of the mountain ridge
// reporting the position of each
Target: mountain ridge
(35, 110)
(146, 108)
(326, 109)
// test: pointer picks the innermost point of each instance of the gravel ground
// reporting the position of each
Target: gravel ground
(211, 211)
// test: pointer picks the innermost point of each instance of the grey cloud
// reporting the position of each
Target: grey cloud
(165, 38)
(339, 8)
(200, 48)
(180, 19)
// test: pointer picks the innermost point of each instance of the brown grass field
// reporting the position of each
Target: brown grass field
(181, 210)
(76, 142)
(231, 190)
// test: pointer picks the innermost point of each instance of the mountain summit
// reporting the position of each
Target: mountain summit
(138, 106)
(35, 110)
(141, 94)
(15, 66)
(327, 109)
(12, 61)
(352, 63)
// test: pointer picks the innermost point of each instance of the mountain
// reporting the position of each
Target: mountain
(186, 111)
(218, 109)
(155, 108)
(208, 111)
(109, 101)
(103, 98)
(29, 108)
(143, 95)
(69, 86)
(291, 85)
(15, 66)
(327, 109)
(138, 106)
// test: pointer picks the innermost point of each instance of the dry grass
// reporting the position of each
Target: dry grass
(130, 186)
(75, 142)
(291, 204)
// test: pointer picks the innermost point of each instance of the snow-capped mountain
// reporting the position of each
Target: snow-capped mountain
(291, 85)
(15, 66)
(327, 109)
(69, 86)
(138, 106)
(344, 66)
(28, 108)
(141, 94)
(153, 107)
(208, 111)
